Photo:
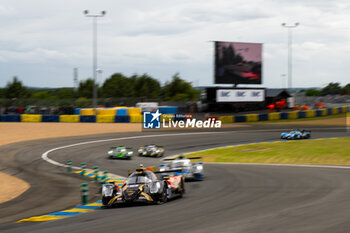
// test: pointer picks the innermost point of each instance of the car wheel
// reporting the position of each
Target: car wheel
(182, 187)
(163, 196)
(105, 200)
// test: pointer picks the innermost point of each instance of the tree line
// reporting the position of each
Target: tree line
(330, 89)
(118, 85)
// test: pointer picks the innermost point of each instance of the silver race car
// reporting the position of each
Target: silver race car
(190, 170)
(151, 151)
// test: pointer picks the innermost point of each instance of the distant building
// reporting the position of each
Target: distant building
(276, 94)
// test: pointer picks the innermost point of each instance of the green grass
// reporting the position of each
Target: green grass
(321, 151)
(342, 115)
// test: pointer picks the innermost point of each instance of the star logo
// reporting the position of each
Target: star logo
(155, 115)
(151, 120)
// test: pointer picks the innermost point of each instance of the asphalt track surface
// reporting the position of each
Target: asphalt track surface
(232, 198)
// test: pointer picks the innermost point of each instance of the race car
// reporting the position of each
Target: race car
(151, 151)
(143, 186)
(296, 134)
(191, 171)
(120, 152)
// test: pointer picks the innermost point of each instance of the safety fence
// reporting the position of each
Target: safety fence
(134, 115)
(282, 115)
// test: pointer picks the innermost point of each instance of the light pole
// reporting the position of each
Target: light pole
(290, 27)
(94, 52)
(283, 80)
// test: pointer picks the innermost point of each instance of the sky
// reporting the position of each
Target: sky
(41, 41)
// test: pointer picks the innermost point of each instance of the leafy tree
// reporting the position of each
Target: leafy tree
(41, 95)
(15, 89)
(346, 89)
(313, 92)
(65, 93)
(146, 86)
(118, 86)
(85, 88)
(2, 93)
(179, 90)
(332, 88)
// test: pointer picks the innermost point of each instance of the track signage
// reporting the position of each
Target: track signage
(240, 95)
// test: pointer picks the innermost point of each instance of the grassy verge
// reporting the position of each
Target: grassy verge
(321, 151)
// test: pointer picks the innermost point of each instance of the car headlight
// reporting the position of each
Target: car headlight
(157, 151)
(199, 167)
(162, 169)
(140, 150)
(110, 152)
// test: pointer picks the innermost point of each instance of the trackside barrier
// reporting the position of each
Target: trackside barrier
(77, 111)
(134, 111)
(292, 115)
(84, 193)
(69, 118)
(329, 111)
(11, 118)
(343, 109)
(105, 118)
(324, 111)
(263, 117)
(335, 111)
(107, 112)
(168, 109)
(122, 119)
(95, 173)
(87, 119)
(87, 112)
(284, 115)
(310, 113)
(122, 112)
(69, 166)
(301, 114)
(252, 117)
(226, 119)
(240, 119)
(318, 112)
(136, 118)
(83, 169)
(30, 118)
(50, 118)
(274, 116)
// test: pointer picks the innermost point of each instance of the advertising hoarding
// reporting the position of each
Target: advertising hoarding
(240, 95)
(238, 63)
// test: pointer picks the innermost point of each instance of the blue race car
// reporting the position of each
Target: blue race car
(296, 134)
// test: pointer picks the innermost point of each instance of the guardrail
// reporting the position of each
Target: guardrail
(137, 118)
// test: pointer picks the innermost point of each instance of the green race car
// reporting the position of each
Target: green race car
(120, 152)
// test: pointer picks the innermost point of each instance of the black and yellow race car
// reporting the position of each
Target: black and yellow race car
(151, 150)
(145, 186)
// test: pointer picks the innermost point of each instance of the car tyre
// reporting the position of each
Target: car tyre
(105, 200)
(163, 196)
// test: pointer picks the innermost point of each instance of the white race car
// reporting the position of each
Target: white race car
(191, 170)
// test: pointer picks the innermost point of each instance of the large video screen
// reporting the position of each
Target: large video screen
(238, 63)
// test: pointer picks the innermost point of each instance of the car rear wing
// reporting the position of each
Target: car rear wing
(169, 171)
(170, 159)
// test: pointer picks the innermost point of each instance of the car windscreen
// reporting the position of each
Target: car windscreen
(140, 178)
